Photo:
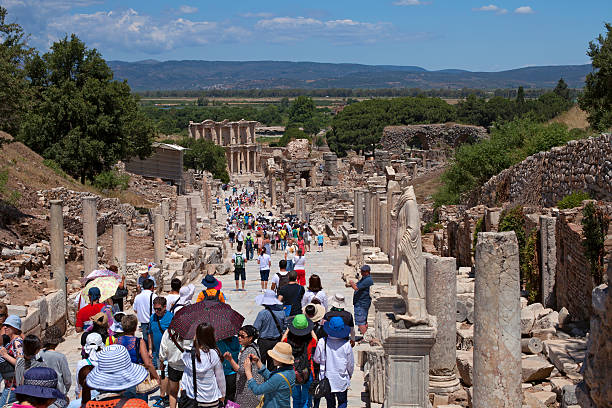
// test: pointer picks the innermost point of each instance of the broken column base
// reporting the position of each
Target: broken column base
(407, 353)
(443, 384)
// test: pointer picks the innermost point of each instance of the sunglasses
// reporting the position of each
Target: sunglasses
(158, 309)
(242, 336)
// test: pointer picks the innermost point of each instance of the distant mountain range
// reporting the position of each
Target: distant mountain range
(193, 74)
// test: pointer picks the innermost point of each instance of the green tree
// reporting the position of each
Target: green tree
(270, 116)
(202, 101)
(14, 89)
(562, 90)
(80, 117)
(597, 97)
(205, 155)
(301, 110)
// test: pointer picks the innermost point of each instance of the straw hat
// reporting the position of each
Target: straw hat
(115, 371)
(314, 311)
(282, 352)
(338, 301)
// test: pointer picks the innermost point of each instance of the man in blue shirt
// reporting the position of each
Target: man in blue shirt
(160, 320)
(362, 299)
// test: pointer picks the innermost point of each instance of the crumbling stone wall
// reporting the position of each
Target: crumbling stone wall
(430, 136)
(546, 177)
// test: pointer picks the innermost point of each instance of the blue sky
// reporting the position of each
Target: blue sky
(488, 35)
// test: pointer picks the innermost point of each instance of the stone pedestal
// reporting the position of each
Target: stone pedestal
(120, 247)
(441, 287)
(90, 234)
(497, 325)
(407, 351)
(548, 260)
(58, 264)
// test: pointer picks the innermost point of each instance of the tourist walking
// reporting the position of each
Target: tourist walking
(316, 312)
(291, 295)
(212, 291)
(249, 243)
(229, 346)
(362, 299)
(56, 360)
(143, 306)
(338, 308)
(114, 377)
(244, 397)
(93, 345)
(159, 324)
(175, 293)
(281, 278)
(264, 262)
(186, 294)
(277, 387)
(270, 323)
(290, 252)
(30, 359)
(203, 362)
(315, 292)
(320, 240)
(137, 350)
(299, 265)
(39, 389)
(303, 343)
(144, 275)
(10, 352)
(85, 313)
(335, 356)
(172, 357)
(239, 267)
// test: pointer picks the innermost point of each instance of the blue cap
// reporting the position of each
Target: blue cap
(13, 321)
(94, 293)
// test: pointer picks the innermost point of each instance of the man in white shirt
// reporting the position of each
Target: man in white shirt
(143, 306)
(264, 262)
(281, 274)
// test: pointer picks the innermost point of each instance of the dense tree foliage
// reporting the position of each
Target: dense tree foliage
(204, 155)
(359, 126)
(14, 94)
(80, 117)
(562, 90)
(597, 97)
(509, 144)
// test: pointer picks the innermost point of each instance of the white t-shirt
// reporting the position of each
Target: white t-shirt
(171, 300)
(320, 295)
(143, 306)
(264, 262)
(275, 278)
(290, 251)
(299, 262)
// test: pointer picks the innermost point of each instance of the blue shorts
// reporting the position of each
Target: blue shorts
(145, 331)
(361, 315)
(240, 273)
(265, 274)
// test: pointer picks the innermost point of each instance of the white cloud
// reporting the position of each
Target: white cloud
(342, 31)
(524, 10)
(491, 8)
(188, 9)
(409, 3)
(118, 30)
(261, 14)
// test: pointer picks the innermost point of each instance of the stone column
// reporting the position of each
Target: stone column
(120, 247)
(248, 160)
(188, 210)
(548, 259)
(376, 210)
(497, 326)
(194, 226)
(358, 210)
(395, 196)
(58, 264)
(298, 202)
(303, 207)
(368, 213)
(90, 234)
(159, 239)
(383, 235)
(441, 289)
(230, 161)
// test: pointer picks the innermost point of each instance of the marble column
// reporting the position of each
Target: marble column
(383, 235)
(368, 213)
(90, 234)
(441, 289)
(188, 210)
(376, 208)
(248, 160)
(548, 260)
(194, 226)
(230, 160)
(120, 247)
(272, 182)
(374, 212)
(358, 210)
(159, 239)
(303, 208)
(58, 264)
(497, 325)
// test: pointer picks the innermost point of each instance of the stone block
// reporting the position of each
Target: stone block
(566, 355)
(535, 369)
(465, 365)
(539, 399)
(527, 320)
(465, 338)
(17, 310)
(43, 308)
(56, 303)
(549, 321)
(558, 383)
(31, 321)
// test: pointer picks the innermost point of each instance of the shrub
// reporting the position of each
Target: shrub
(111, 180)
(431, 226)
(572, 200)
(10, 197)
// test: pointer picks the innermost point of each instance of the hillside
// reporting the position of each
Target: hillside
(194, 74)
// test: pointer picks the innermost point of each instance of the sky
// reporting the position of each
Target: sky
(487, 35)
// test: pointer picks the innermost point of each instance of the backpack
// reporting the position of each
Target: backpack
(239, 262)
(214, 297)
(301, 366)
(283, 280)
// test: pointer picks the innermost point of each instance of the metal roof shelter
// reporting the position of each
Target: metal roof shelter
(165, 163)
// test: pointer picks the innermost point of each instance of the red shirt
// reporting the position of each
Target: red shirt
(86, 312)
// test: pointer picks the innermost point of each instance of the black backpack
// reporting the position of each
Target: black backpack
(302, 366)
(283, 280)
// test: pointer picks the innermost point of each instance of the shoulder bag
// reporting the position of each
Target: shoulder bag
(184, 401)
(320, 388)
(261, 400)
(149, 385)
